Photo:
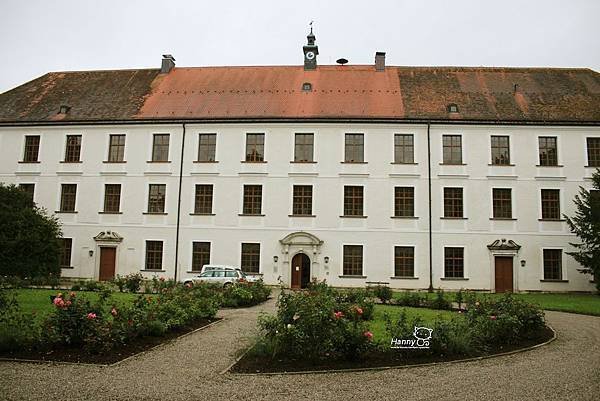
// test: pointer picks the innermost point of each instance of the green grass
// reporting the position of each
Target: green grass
(377, 325)
(587, 304)
(38, 301)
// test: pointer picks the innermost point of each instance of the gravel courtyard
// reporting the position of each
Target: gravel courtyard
(188, 369)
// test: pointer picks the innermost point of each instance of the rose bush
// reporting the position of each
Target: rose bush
(317, 323)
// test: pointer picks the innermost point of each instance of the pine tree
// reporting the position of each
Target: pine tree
(586, 225)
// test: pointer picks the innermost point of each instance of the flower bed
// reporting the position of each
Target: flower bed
(102, 331)
(327, 329)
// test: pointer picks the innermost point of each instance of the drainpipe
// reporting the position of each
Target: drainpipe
(179, 203)
(430, 289)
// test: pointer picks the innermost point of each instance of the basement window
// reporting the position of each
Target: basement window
(307, 86)
(452, 108)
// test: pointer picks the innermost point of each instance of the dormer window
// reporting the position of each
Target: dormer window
(452, 108)
(307, 86)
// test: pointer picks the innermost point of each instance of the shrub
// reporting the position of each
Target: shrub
(18, 330)
(316, 324)
(412, 299)
(245, 294)
(439, 302)
(384, 293)
(132, 282)
(160, 284)
(101, 326)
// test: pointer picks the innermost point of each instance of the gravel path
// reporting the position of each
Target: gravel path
(187, 369)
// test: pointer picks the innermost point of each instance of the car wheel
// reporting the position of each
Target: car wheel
(227, 285)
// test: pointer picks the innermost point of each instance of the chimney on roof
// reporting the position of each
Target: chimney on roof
(380, 61)
(168, 63)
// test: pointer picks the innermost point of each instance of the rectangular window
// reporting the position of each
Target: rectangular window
(200, 255)
(353, 200)
(353, 260)
(156, 198)
(29, 189)
(252, 199)
(502, 203)
(303, 148)
(452, 149)
(112, 198)
(593, 151)
(68, 196)
(255, 147)
(404, 202)
(302, 200)
(552, 264)
(207, 147)
(32, 149)
(250, 258)
(595, 203)
(66, 247)
(355, 148)
(404, 149)
(154, 255)
(404, 261)
(454, 262)
(548, 151)
(453, 202)
(550, 204)
(73, 149)
(116, 148)
(160, 148)
(204, 199)
(500, 150)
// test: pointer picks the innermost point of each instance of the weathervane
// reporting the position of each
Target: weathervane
(311, 24)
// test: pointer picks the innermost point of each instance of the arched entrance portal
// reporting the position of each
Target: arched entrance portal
(300, 271)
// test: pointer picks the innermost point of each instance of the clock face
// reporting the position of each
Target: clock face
(310, 55)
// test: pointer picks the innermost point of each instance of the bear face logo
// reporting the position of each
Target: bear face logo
(422, 333)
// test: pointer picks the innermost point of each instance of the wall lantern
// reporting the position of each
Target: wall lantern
(91, 253)
(275, 258)
(326, 259)
(523, 263)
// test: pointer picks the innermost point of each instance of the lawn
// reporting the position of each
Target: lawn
(377, 325)
(587, 304)
(38, 300)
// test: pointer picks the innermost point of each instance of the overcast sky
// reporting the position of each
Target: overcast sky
(38, 36)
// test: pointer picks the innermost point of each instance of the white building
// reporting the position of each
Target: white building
(446, 177)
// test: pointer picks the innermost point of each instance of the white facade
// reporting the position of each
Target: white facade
(378, 232)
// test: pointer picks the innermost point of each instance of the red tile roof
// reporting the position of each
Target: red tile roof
(338, 92)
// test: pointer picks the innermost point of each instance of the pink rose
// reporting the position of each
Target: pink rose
(493, 317)
(113, 312)
(72, 294)
(359, 311)
(68, 303)
(91, 315)
(368, 334)
(57, 301)
(338, 315)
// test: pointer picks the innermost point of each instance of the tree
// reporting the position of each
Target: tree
(586, 225)
(29, 237)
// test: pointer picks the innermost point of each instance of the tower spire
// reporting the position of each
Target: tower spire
(310, 50)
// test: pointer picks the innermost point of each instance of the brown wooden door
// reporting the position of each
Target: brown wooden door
(296, 270)
(107, 263)
(504, 274)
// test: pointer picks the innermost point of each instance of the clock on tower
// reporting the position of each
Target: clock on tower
(310, 52)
